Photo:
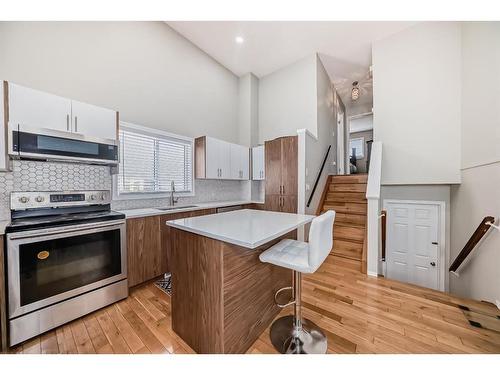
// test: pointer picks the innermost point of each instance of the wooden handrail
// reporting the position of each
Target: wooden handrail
(473, 241)
(383, 224)
(319, 175)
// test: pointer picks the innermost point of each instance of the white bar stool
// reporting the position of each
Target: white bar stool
(294, 334)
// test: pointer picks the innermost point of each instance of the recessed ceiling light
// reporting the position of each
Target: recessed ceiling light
(239, 39)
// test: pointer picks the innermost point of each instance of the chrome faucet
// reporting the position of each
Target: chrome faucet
(173, 201)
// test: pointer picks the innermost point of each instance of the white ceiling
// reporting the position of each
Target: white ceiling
(344, 46)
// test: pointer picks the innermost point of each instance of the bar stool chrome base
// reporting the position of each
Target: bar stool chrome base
(288, 340)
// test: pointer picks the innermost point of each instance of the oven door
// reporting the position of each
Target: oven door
(51, 265)
(24, 141)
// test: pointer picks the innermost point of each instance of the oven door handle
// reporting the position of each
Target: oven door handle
(59, 230)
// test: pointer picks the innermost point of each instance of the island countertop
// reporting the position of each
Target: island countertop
(247, 228)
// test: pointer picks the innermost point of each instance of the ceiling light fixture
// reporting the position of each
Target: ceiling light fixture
(239, 39)
(355, 91)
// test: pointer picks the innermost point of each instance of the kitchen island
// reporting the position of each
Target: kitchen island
(223, 296)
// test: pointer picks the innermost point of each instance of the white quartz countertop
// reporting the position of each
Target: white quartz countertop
(247, 228)
(142, 212)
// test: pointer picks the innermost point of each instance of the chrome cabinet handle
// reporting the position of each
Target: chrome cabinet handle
(76, 123)
(67, 122)
(283, 189)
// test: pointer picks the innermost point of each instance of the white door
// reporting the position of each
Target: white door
(33, 108)
(412, 248)
(93, 121)
(258, 163)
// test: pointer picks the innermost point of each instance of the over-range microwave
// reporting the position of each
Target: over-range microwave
(49, 144)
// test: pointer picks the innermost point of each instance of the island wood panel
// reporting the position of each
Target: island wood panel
(223, 296)
(249, 288)
(144, 255)
(197, 299)
(3, 302)
(166, 234)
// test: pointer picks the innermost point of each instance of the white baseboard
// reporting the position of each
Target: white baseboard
(374, 274)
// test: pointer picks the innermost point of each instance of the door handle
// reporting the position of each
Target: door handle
(433, 264)
(434, 243)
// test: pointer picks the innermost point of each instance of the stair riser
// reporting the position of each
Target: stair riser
(351, 233)
(350, 179)
(353, 208)
(350, 218)
(346, 196)
(349, 249)
(358, 188)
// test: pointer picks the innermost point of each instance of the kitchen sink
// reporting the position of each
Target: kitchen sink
(175, 208)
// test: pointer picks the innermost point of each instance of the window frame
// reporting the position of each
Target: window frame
(362, 140)
(151, 195)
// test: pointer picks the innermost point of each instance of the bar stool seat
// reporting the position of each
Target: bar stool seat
(289, 254)
(294, 334)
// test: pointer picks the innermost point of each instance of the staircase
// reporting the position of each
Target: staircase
(346, 195)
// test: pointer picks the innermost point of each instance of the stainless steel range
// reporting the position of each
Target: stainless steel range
(66, 257)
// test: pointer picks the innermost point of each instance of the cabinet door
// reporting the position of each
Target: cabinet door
(289, 162)
(143, 249)
(3, 140)
(225, 159)
(38, 109)
(273, 166)
(258, 163)
(93, 121)
(272, 203)
(212, 158)
(289, 204)
(235, 161)
(245, 162)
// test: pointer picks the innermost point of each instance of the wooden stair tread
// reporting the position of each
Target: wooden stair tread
(349, 179)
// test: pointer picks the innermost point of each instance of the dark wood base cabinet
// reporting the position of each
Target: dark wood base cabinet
(3, 304)
(223, 295)
(149, 244)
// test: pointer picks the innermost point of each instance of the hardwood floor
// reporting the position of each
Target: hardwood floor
(359, 314)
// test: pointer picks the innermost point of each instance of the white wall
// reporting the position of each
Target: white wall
(145, 70)
(477, 196)
(361, 123)
(288, 100)
(248, 110)
(417, 104)
(315, 147)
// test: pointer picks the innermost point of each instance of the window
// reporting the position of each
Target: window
(359, 145)
(150, 160)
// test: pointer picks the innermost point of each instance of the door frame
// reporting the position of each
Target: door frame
(342, 139)
(441, 206)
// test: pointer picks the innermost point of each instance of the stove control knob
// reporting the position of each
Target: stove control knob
(92, 197)
(24, 199)
(39, 199)
(103, 197)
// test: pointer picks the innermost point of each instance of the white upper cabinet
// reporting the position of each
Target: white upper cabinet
(3, 141)
(33, 108)
(217, 159)
(93, 121)
(37, 109)
(258, 163)
(221, 160)
(239, 162)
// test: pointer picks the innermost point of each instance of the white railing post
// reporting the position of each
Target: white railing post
(372, 219)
